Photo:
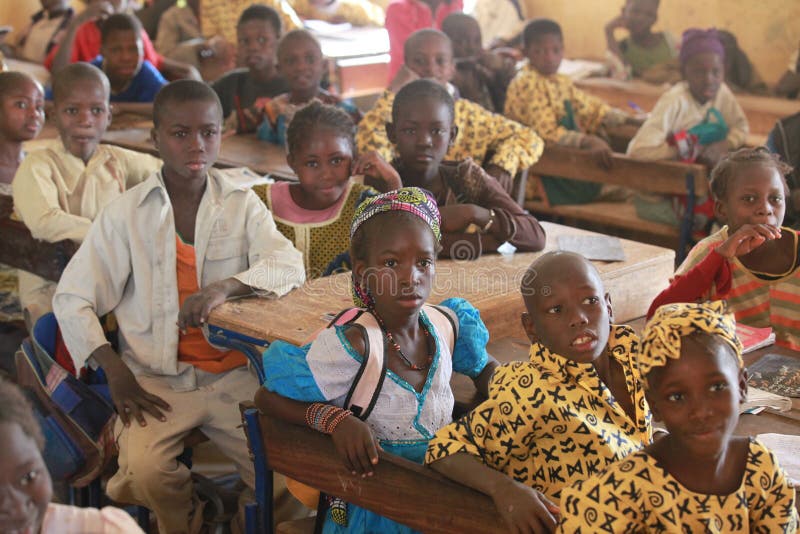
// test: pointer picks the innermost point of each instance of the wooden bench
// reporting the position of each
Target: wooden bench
(400, 490)
(19, 249)
(660, 177)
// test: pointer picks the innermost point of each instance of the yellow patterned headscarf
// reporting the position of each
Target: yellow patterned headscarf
(662, 335)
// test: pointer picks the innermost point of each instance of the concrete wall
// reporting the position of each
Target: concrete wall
(767, 30)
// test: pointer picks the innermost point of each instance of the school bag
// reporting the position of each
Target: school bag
(77, 421)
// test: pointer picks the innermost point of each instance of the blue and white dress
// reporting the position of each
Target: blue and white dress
(402, 420)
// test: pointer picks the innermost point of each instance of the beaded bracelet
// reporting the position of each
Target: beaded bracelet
(325, 418)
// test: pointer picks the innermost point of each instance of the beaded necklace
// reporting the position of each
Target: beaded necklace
(394, 345)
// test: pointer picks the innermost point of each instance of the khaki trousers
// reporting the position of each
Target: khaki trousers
(149, 473)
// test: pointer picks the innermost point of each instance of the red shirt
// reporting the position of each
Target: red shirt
(404, 17)
(87, 47)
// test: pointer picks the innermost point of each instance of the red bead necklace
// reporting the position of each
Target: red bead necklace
(394, 345)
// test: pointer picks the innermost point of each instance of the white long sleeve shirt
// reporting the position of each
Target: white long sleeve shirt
(678, 110)
(127, 264)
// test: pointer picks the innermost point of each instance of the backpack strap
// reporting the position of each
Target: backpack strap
(363, 393)
(445, 321)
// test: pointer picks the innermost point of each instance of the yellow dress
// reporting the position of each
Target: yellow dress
(551, 422)
(480, 132)
(639, 495)
(538, 101)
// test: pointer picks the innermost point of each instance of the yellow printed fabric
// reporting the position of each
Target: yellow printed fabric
(220, 17)
(538, 101)
(551, 421)
(637, 495)
(480, 132)
(356, 12)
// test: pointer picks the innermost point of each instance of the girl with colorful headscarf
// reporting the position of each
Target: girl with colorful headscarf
(394, 241)
(697, 120)
(699, 477)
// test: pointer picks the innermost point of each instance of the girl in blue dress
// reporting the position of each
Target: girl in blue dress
(394, 243)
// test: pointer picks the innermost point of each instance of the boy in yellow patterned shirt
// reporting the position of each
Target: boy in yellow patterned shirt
(577, 406)
(500, 145)
(561, 113)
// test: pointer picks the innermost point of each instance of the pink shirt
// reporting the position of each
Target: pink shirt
(404, 17)
(283, 207)
(62, 519)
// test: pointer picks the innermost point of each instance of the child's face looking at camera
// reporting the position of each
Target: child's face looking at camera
(257, 43)
(697, 396)
(756, 194)
(704, 73)
(82, 117)
(322, 164)
(22, 112)
(640, 15)
(432, 57)
(301, 63)
(25, 486)
(545, 53)
(422, 135)
(400, 263)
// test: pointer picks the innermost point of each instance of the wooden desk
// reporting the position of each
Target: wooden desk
(490, 283)
(359, 60)
(762, 111)
(236, 151)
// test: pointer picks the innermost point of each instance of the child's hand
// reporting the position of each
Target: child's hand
(130, 399)
(373, 165)
(616, 23)
(747, 238)
(457, 217)
(197, 307)
(251, 119)
(524, 509)
(711, 154)
(356, 445)
(599, 150)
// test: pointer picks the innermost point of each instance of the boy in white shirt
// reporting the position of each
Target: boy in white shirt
(161, 257)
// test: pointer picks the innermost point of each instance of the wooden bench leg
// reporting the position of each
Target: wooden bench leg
(687, 223)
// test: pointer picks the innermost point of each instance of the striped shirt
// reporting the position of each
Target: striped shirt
(757, 300)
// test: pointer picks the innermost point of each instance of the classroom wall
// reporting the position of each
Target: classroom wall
(767, 30)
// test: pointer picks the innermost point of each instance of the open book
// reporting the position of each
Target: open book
(758, 400)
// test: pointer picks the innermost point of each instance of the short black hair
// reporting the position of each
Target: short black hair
(16, 409)
(418, 89)
(419, 35)
(262, 12)
(318, 115)
(66, 77)
(10, 80)
(455, 22)
(183, 91)
(727, 168)
(120, 22)
(538, 28)
(296, 35)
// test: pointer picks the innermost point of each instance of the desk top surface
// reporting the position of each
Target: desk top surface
(488, 283)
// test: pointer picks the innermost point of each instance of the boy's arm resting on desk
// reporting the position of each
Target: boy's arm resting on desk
(523, 508)
(36, 201)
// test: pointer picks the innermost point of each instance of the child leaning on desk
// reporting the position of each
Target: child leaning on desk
(697, 120)
(753, 262)
(315, 213)
(557, 110)
(395, 237)
(699, 477)
(577, 406)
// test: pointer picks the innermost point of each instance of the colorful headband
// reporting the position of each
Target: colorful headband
(411, 199)
(696, 41)
(662, 335)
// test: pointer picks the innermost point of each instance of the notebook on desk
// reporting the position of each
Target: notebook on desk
(776, 373)
(593, 247)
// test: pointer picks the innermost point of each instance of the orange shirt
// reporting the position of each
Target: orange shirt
(193, 347)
